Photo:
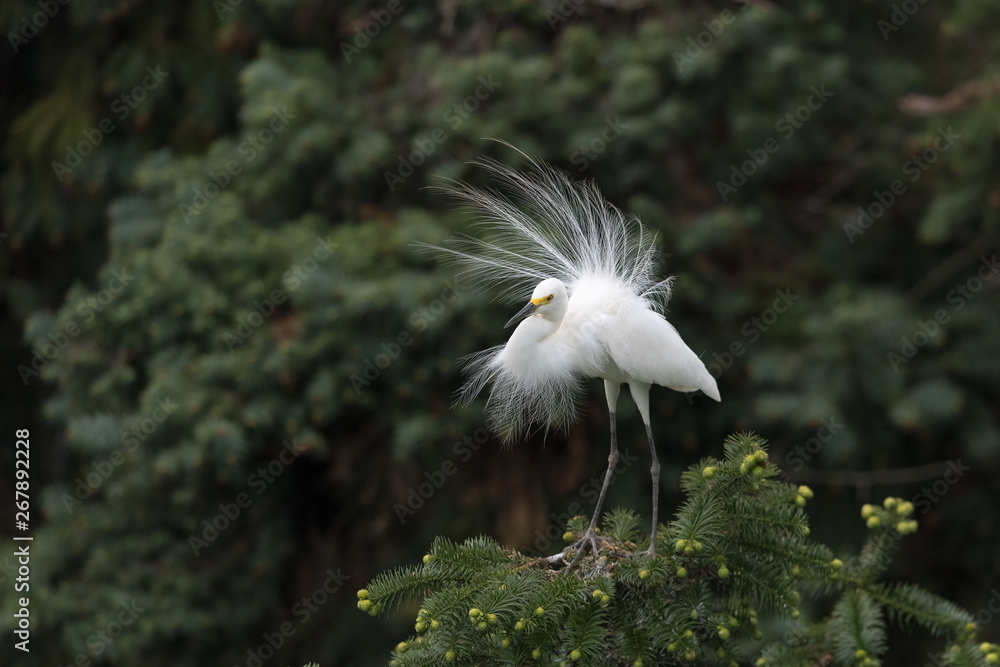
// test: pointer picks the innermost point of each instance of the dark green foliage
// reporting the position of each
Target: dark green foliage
(908, 604)
(819, 380)
(738, 549)
(857, 628)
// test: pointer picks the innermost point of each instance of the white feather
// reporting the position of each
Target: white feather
(606, 316)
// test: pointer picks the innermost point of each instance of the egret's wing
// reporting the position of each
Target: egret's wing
(644, 346)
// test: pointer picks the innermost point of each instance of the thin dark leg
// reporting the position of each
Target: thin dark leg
(612, 462)
(591, 534)
(654, 472)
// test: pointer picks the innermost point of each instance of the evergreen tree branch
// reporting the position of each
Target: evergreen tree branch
(738, 545)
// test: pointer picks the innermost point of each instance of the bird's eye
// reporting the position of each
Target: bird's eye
(548, 298)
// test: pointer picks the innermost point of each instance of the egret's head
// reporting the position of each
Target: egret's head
(548, 301)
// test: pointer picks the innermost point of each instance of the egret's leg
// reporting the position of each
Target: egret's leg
(611, 390)
(654, 472)
(612, 462)
(640, 394)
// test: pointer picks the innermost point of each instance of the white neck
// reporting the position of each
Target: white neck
(526, 350)
(536, 328)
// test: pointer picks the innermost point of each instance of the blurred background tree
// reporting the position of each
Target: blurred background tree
(237, 370)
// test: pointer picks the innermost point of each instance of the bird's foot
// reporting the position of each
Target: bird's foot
(589, 538)
(645, 553)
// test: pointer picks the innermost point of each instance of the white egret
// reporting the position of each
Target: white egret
(596, 310)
